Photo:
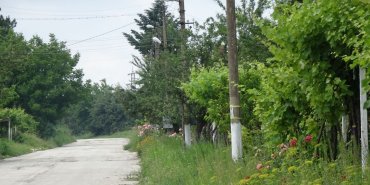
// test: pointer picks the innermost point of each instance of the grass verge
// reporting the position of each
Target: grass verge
(165, 161)
(24, 143)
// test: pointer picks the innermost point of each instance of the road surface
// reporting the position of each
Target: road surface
(85, 162)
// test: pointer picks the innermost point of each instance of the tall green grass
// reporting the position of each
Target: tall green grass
(11, 148)
(165, 161)
(24, 143)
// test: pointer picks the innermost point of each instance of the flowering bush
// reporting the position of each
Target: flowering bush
(147, 129)
(287, 164)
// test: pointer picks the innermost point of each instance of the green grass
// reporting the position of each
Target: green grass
(24, 143)
(165, 161)
(33, 141)
(10, 148)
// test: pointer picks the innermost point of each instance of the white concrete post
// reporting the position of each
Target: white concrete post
(187, 133)
(9, 130)
(364, 124)
(236, 141)
(345, 123)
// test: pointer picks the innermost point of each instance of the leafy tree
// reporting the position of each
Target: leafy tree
(106, 113)
(209, 88)
(99, 112)
(78, 115)
(208, 43)
(158, 94)
(24, 122)
(12, 55)
(151, 25)
(313, 77)
(49, 83)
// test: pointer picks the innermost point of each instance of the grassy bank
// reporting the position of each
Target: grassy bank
(164, 160)
(24, 143)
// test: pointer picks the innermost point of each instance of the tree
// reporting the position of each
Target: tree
(48, 83)
(318, 48)
(13, 48)
(106, 112)
(158, 95)
(150, 25)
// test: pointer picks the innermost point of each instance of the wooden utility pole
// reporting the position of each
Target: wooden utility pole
(236, 140)
(185, 117)
(364, 123)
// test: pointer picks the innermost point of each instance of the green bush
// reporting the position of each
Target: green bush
(24, 122)
(10, 148)
(63, 135)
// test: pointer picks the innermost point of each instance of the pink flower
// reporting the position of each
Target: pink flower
(259, 166)
(293, 142)
(308, 138)
(173, 134)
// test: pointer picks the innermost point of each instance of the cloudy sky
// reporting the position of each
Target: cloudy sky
(107, 56)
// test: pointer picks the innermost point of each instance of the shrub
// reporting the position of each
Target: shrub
(63, 135)
(25, 123)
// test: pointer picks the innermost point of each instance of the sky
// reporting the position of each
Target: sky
(107, 56)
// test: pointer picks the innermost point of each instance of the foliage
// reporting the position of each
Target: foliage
(106, 113)
(47, 93)
(63, 135)
(36, 76)
(12, 47)
(312, 78)
(209, 88)
(24, 122)
(147, 129)
(208, 42)
(164, 160)
(150, 24)
(33, 141)
(10, 148)
(99, 112)
(155, 96)
(23, 143)
(290, 164)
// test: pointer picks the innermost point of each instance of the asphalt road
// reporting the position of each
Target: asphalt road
(85, 162)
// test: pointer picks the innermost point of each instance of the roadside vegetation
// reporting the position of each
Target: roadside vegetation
(165, 160)
(24, 143)
(299, 86)
(299, 70)
(44, 101)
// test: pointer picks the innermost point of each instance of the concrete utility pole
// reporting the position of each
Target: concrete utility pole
(185, 117)
(132, 79)
(236, 139)
(164, 28)
(364, 123)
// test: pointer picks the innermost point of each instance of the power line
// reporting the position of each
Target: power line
(6, 8)
(101, 34)
(72, 18)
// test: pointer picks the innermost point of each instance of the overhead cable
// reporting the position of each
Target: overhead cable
(71, 18)
(100, 34)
